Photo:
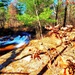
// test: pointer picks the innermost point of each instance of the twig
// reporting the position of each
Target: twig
(13, 73)
(58, 55)
(45, 67)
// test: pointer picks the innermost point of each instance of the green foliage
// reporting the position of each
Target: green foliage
(46, 15)
(1, 4)
(29, 19)
(29, 6)
(44, 12)
(1, 10)
(26, 18)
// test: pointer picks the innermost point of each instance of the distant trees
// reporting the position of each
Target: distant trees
(65, 8)
(68, 13)
(37, 13)
(11, 9)
(2, 15)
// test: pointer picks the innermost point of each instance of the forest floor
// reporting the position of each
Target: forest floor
(54, 54)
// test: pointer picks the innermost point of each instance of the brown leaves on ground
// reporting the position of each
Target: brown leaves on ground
(51, 55)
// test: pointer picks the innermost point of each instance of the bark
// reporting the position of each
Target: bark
(38, 27)
(65, 16)
(56, 18)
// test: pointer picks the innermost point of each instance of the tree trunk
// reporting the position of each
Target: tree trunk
(38, 27)
(65, 16)
(38, 32)
(56, 18)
